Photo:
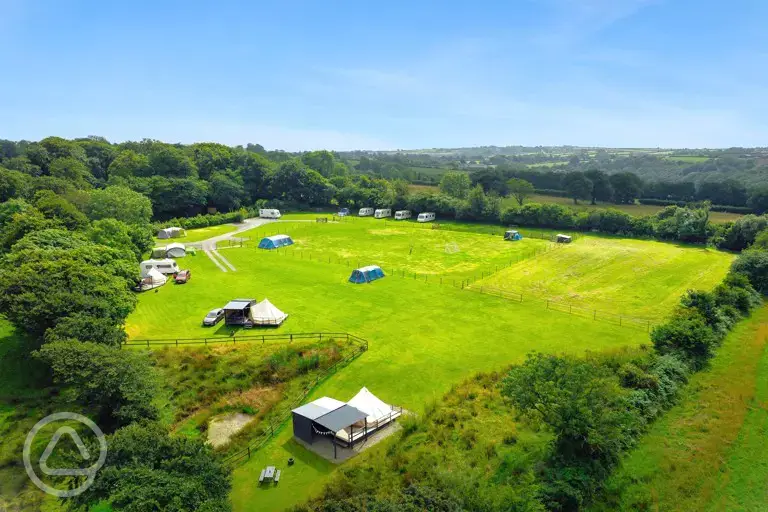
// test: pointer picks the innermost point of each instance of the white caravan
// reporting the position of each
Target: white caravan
(383, 212)
(164, 266)
(425, 217)
(269, 213)
(402, 214)
(365, 212)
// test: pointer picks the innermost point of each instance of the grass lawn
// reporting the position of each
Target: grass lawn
(423, 338)
(625, 276)
(199, 234)
(407, 247)
(710, 451)
(688, 159)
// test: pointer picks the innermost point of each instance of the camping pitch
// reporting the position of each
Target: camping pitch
(366, 274)
(275, 242)
(265, 313)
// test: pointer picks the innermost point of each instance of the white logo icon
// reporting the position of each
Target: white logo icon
(89, 473)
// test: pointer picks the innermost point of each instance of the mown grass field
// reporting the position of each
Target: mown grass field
(710, 452)
(403, 246)
(624, 276)
(424, 337)
(198, 234)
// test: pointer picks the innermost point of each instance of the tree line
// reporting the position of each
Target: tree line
(595, 185)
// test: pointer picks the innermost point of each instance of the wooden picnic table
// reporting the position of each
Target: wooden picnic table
(269, 474)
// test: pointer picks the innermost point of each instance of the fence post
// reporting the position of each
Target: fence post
(177, 343)
(249, 453)
(649, 326)
(547, 304)
(148, 343)
(291, 338)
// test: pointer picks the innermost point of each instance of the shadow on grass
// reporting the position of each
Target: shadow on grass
(306, 457)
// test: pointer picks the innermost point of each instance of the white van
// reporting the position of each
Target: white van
(402, 214)
(365, 212)
(383, 212)
(425, 217)
(164, 266)
(269, 213)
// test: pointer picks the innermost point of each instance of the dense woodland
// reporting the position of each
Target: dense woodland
(77, 216)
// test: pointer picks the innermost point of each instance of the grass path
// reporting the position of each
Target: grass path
(710, 451)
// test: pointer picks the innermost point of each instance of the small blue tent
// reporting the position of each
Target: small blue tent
(366, 274)
(274, 242)
(513, 235)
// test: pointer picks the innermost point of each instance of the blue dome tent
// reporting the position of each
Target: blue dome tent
(274, 242)
(366, 274)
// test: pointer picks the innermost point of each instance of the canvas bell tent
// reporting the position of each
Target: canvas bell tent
(379, 413)
(275, 242)
(366, 274)
(153, 279)
(512, 235)
(265, 313)
(172, 232)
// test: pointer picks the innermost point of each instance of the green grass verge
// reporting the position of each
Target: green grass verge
(707, 453)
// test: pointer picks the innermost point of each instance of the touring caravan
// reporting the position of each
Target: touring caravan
(425, 217)
(269, 213)
(164, 266)
(365, 212)
(382, 212)
(402, 215)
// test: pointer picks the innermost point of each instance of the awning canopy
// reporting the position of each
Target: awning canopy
(341, 418)
(319, 407)
(238, 304)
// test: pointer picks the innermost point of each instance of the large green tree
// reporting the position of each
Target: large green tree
(119, 203)
(577, 186)
(455, 184)
(626, 187)
(118, 384)
(520, 189)
(148, 469)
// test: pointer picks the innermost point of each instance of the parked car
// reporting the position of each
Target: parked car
(343, 212)
(182, 276)
(213, 317)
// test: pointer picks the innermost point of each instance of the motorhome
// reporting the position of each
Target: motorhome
(365, 212)
(402, 215)
(382, 212)
(164, 266)
(269, 213)
(425, 217)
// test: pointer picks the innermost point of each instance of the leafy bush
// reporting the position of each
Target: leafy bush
(688, 335)
(754, 265)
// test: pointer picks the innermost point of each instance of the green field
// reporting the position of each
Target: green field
(424, 337)
(708, 453)
(199, 234)
(625, 276)
(688, 159)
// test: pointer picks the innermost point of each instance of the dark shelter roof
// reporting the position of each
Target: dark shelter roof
(311, 411)
(238, 304)
(341, 418)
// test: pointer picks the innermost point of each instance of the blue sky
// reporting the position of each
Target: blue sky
(302, 75)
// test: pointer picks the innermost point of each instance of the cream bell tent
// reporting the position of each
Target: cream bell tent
(265, 313)
(153, 279)
(378, 412)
